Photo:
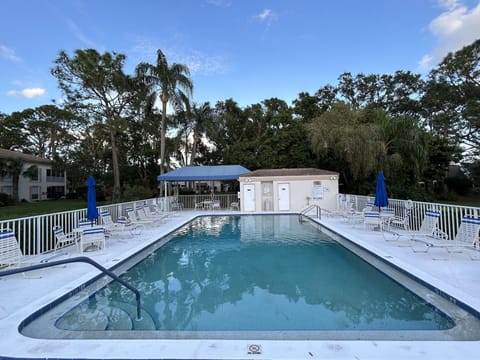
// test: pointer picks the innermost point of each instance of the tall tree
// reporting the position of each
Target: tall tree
(452, 98)
(13, 133)
(142, 143)
(173, 82)
(95, 83)
(201, 115)
(45, 129)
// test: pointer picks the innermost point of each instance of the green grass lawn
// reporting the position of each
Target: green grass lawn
(41, 207)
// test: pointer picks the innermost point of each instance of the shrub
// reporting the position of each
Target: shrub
(459, 184)
(6, 199)
(136, 193)
(72, 195)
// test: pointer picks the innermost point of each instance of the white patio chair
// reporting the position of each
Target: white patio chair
(401, 221)
(92, 237)
(215, 205)
(62, 239)
(372, 220)
(386, 214)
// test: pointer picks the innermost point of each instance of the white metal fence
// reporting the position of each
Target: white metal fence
(35, 235)
(450, 215)
(192, 201)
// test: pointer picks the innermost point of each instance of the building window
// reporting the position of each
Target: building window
(35, 193)
(55, 175)
(32, 172)
(55, 192)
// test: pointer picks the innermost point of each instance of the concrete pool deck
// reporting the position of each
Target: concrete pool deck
(455, 274)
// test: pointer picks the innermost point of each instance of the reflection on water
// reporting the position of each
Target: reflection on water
(268, 273)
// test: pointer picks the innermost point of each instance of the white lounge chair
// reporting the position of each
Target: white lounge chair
(142, 216)
(11, 254)
(428, 229)
(153, 215)
(122, 225)
(467, 236)
(132, 217)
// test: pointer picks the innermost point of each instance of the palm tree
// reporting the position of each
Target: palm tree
(201, 115)
(173, 82)
(12, 167)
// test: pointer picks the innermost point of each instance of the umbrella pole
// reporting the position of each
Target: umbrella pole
(165, 197)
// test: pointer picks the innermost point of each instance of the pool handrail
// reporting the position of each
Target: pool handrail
(79, 259)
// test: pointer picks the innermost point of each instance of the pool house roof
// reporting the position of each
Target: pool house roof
(204, 173)
(288, 172)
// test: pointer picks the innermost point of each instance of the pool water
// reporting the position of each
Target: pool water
(255, 273)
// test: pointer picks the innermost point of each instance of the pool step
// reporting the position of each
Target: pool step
(145, 323)
(83, 318)
(101, 315)
(118, 319)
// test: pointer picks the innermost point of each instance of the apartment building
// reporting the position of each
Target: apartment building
(45, 183)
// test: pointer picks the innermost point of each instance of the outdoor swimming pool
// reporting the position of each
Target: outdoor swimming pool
(261, 276)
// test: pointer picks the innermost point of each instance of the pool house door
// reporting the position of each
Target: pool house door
(283, 196)
(248, 197)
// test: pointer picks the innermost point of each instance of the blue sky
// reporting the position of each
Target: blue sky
(248, 50)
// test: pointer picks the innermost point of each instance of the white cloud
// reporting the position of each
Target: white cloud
(201, 63)
(8, 53)
(455, 28)
(448, 4)
(267, 16)
(220, 3)
(198, 62)
(78, 33)
(27, 93)
(264, 15)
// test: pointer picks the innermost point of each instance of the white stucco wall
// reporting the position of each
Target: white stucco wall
(300, 191)
(28, 188)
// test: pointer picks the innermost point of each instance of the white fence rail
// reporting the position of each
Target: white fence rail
(35, 235)
(450, 215)
(190, 201)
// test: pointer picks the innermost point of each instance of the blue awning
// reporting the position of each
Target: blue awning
(204, 173)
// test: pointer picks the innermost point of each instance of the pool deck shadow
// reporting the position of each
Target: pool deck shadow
(452, 273)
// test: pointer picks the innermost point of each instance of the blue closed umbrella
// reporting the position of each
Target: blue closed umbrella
(92, 211)
(381, 197)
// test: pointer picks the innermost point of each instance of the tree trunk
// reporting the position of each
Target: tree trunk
(163, 132)
(194, 146)
(15, 181)
(115, 168)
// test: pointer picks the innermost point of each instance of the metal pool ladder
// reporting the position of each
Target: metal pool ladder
(305, 211)
(79, 259)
